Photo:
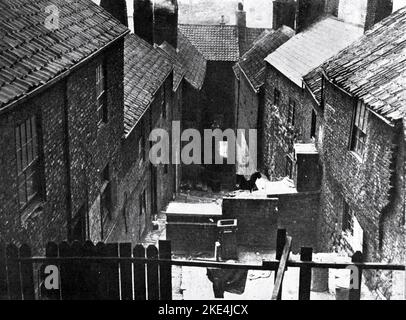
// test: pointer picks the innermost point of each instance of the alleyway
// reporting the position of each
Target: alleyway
(191, 283)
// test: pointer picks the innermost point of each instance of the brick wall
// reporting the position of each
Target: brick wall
(247, 103)
(275, 145)
(372, 188)
(93, 147)
(50, 222)
(260, 218)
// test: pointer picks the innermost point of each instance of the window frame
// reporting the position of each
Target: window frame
(28, 160)
(359, 135)
(101, 100)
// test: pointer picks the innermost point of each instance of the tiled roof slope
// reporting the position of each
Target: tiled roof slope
(31, 55)
(215, 42)
(313, 82)
(193, 61)
(251, 35)
(374, 68)
(310, 48)
(252, 63)
(179, 68)
(145, 70)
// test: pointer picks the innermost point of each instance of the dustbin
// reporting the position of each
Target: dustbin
(228, 238)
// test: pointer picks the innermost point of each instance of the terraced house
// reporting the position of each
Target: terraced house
(148, 96)
(290, 114)
(250, 78)
(363, 192)
(61, 121)
(222, 46)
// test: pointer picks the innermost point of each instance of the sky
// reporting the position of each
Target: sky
(259, 12)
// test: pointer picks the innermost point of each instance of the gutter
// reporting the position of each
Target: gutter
(59, 77)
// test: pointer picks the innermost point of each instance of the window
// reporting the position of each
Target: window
(276, 97)
(289, 167)
(359, 134)
(143, 203)
(348, 221)
(101, 94)
(291, 111)
(105, 200)
(163, 101)
(27, 162)
(166, 169)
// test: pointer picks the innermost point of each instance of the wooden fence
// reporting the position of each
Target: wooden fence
(119, 272)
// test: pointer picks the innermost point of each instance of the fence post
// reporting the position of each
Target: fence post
(280, 243)
(102, 273)
(152, 274)
(113, 274)
(13, 273)
(3, 272)
(305, 277)
(139, 273)
(126, 272)
(27, 274)
(89, 275)
(356, 279)
(165, 270)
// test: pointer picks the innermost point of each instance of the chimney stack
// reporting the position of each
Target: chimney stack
(144, 20)
(309, 11)
(166, 22)
(241, 16)
(117, 8)
(284, 13)
(377, 10)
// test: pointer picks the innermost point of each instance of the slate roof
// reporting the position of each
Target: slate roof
(31, 55)
(179, 68)
(374, 68)
(193, 61)
(313, 82)
(220, 42)
(145, 70)
(252, 63)
(215, 42)
(251, 35)
(310, 48)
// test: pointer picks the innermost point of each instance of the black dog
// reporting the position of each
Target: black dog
(243, 184)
